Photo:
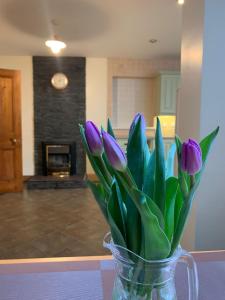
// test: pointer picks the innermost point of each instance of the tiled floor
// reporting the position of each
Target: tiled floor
(50, 223)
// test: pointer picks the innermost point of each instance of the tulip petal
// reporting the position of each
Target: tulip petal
(114, 153)
(137, 118)
(93, 138)
(194, 161)
(191, 157)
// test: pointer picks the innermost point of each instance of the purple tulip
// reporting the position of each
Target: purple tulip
(93, 138)
(134, 122)
(114, 153)
(191, 157)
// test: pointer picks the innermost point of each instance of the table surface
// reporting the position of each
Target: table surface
(91, 278)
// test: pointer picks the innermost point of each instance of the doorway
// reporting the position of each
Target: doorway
(10, 132)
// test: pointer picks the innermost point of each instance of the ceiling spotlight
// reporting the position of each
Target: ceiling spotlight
(55, 45)
(180, 2)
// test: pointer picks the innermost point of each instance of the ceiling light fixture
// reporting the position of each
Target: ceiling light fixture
(153, 41)
(55, 45)
(180, 2)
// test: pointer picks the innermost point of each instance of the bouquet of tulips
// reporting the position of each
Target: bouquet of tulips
(145, 205)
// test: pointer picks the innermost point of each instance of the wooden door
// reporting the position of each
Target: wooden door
(10, 132)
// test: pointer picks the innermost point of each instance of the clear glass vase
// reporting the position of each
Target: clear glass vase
(140, 279)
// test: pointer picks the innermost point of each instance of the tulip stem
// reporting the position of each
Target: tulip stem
(129, 178)
(192, 181)
(105, 171)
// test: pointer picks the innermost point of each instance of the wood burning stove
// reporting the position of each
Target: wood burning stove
(59, 159)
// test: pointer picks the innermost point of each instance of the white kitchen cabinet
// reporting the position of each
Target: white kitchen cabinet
(165, 92)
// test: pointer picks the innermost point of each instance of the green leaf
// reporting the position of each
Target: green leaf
(178, 207)
(149, 180)
(160, 187)
(182, 220)
(137, 156)
(94, 161)
(138, 153)
(154, 209)
(99, 194)
(143, 204)
(156, 244)
(133, 224)
(205, 145)
(178, 145)
(116, 234)
(115, 222)
(170, 161)
(207, 142)
(169, 214)
(110, 129)
(117, 209)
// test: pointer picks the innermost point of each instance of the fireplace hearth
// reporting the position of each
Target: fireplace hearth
(58, 168)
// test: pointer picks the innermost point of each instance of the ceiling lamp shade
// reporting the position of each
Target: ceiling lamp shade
(181, 2)
(55, 45)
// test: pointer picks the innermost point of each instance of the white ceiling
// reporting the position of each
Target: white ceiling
(98, 28)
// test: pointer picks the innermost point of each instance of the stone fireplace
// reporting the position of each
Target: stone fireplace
(57, 114)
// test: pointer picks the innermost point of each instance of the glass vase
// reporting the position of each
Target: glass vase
(140, 279)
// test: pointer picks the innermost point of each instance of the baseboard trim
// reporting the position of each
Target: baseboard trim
(26, 177)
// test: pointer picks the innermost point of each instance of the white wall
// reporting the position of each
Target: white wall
(24, 64)
(211, 209)
(201, 109)
(96, 93)
(188, 108)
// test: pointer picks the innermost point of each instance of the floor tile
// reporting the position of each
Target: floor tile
(50, 223)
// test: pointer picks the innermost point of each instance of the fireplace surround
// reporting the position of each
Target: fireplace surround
(57, 144)
(57, 113)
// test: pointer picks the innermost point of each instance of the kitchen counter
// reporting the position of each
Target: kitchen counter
(167, 132)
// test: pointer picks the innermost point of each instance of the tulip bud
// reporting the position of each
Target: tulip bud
(134, 122)
(191, 157)
(93, 138)
(114, 153)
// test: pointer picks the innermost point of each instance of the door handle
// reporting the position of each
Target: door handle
(13, 141)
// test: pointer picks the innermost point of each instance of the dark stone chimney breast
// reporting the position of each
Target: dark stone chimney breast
(57, 113)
